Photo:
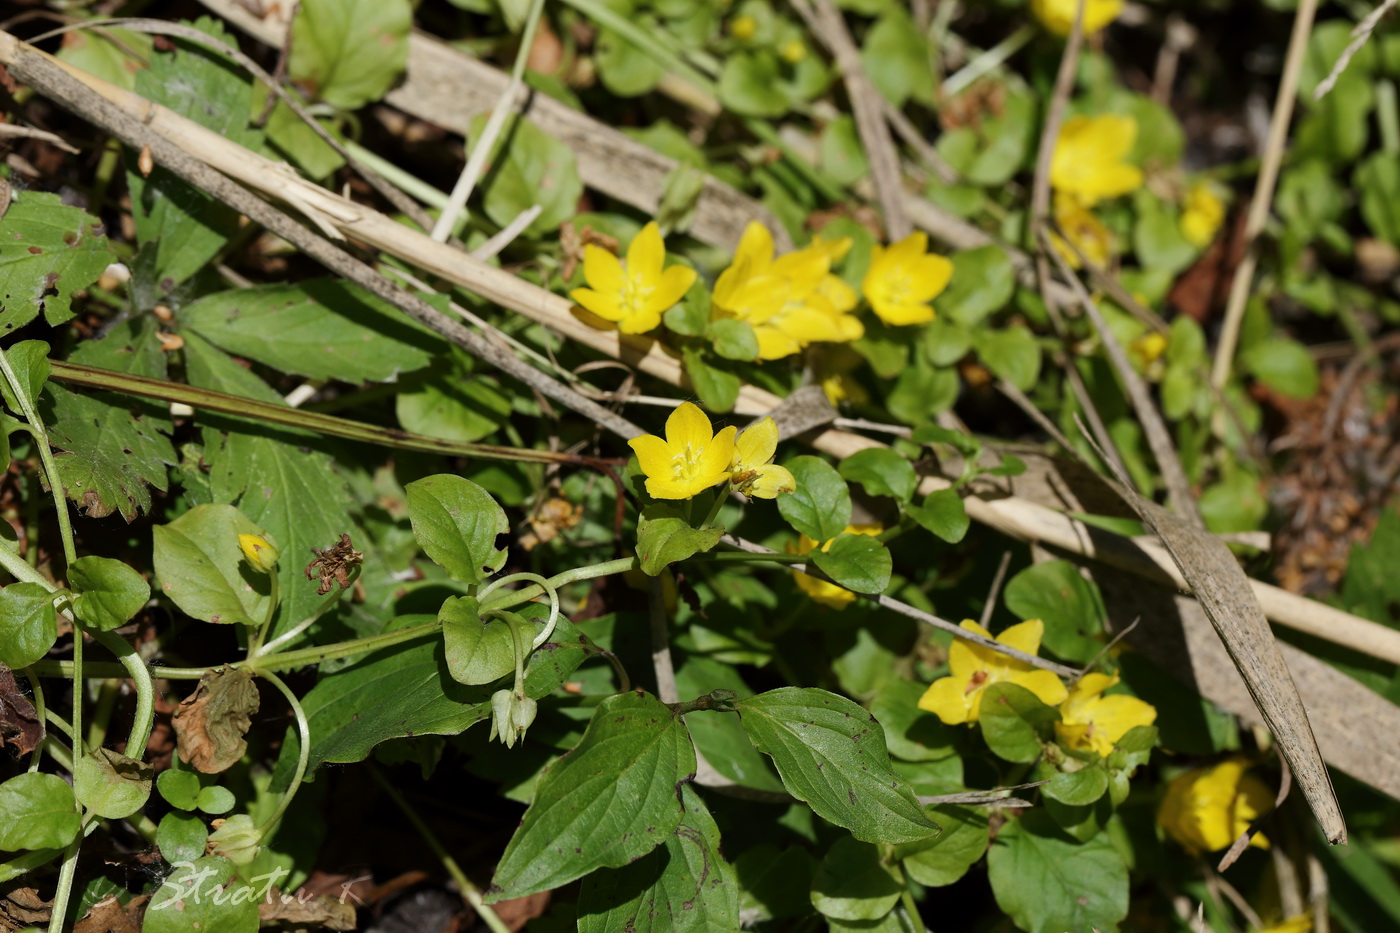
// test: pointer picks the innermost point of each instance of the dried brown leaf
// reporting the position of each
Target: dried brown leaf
(320, 912)
(19, 721)
(211, 722)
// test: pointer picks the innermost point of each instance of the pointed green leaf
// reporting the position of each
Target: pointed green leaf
(1048, 883)
(663, 537)
(51, 250)
(608, 802)
(456, 522)
(831, 754)
(30, 361)
(110, 784)
(857, 562)
(477, 653)
(820, 508)
(201, 568)
(852, 883)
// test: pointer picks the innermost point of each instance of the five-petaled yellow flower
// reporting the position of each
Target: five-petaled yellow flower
(957, 698)
(690, 460)
(1090, 720)
(1058, 15)
(636, 295)
(1302, 923)
(823, 591)
(1208, 808)
(1088, 161)
(753, 471)
(1202, 212)
(792, 300)
(259, 552)
(903, 278)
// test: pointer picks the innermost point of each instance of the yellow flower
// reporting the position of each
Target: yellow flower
(1091, 720)
(1088, 162)
(903, 278)
(957, 698)
(753, 470)
(1302, 923)
(1148, 348)
(1085, 231)
(824, 592)
(791, 301)
(1058, 15)
(743, 28)
(836, 369)
(1201, 215)
(792, 51)
(636, 295)
(1207, 809)
(690, 460)
(259, 552)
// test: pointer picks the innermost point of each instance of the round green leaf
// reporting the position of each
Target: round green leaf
(942, 513)
(215, 800)
(28, 624)
(456, 522)
(1010, 354)
(749, 84)
(110, 784)
(179, 788)
(477, 653)
(1048, 884)
(946, 857)
(1013, 720)
(1283, 365)
(983, 282)
(185, 900)
(180, 836)
(1077, 788)
(882, 472)
(857, 562)
(734, 339)
(40, 813)
(851, 883)
(820, 507)
(350, 51)
(1068, 604)
(109, 592)
(201, 568)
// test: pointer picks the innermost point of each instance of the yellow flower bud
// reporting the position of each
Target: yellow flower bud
(792, 51)
(259, 552)
(743, 28)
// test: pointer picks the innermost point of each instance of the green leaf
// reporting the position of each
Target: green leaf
(51, 251)
(608, 802)
(1048, 884)
(942, 513)
(944, 859)
(920, 392)
(1010, 354)
(30, 361)
(716, 387)
(28, 624)
(110, 784)
(302, 145)
(734, 339)
(1013, 722)
(179, 788)
(1283, 365)
(775, 884)
(852, 883)
(945, 341)
(983, 282)
(991, 152)
(882, 472)
(180, 227)
(294, 492)
(663, 537)
(1077, 788)
(406, 690)
(749, 84)
(1069, 605)
(181, 837)
(201, 569)
(841, 152)
(175, 907)
(104, 53)
(319, 328)
(456, 522)
(857, 562)
(896, 57)
(477, 652)
(684, 885)
(530, 167)
(910, 733)
(721, 738)
(40, 812)
(109, 592)
(1157, 237)
(350, 52)
(215, 800)
(453, 404)
(820, 508)
(831, 754)
(625, 70)
(107, 456)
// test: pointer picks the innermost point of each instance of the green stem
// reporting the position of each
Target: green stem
(560, 580)
(287, 660)
(41, 442)
(102, 712)
(64, 669)
(65, 884)
(39, 711)
(732, 557)
(23, 864)
(548, 629)
(303, 752)
(715, 507)
(290, 635)
(470, 892)
(135, 668)
(255, 645)
(405, 181)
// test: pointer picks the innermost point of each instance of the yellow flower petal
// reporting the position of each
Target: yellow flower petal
(687, 426)
(755, 247)
(605, 305)
(645, 254)
(1024, 636)
(1047, 687)
(639, 321)
(653, 454)
(674, 283)
(713, 465)
(757, 445)
(770, 482)
(602, 269)
(946, 699)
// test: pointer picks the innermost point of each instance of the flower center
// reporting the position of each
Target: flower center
(683, 464)
(636, 292)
